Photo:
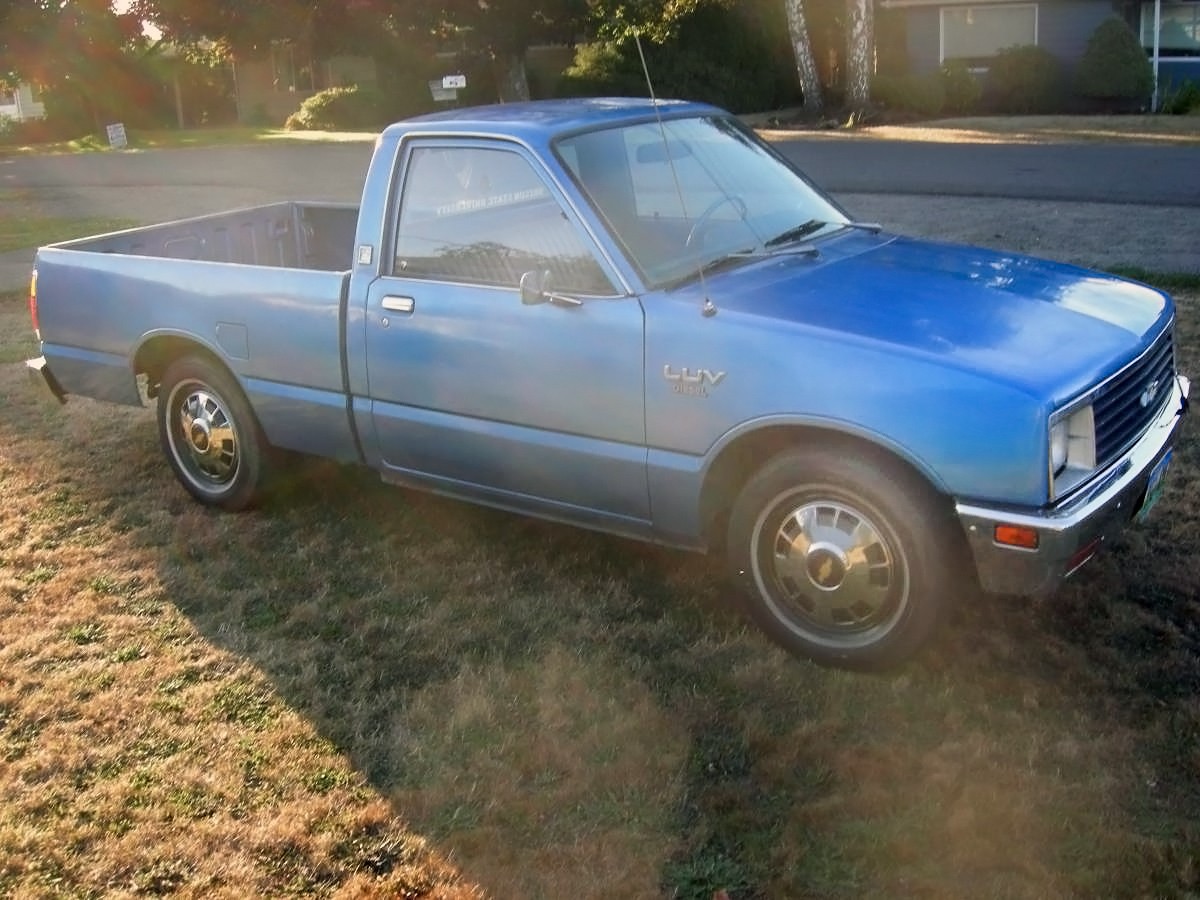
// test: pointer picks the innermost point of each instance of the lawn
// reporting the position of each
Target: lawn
(139, 139)
(23, 225)
(361, 691)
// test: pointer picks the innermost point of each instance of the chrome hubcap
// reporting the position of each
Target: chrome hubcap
(834, 570)
(209, 447)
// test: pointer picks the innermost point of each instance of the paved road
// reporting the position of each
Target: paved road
(1094, 204)
(1101, 173)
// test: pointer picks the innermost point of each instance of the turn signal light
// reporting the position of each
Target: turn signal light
(1017, 536)
(33, 304)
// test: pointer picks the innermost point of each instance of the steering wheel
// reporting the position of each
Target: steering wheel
(702, 221)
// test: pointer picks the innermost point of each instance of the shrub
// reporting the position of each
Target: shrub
(1182, 100)
(1024, 79)
(1114, 67)
(732, 57)
(961, 88)
(339, 109)
(924, 95)
(36, 131)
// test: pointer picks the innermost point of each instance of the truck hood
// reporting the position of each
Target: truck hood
(1044, 327)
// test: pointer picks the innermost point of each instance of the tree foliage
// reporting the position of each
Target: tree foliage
(735, 56)
(501, 31)
(90, 61)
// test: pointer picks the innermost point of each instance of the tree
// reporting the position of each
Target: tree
(23, 26)
(806, 64)
(860, 53)
(500, 32)
(86, 57)
(657, 20)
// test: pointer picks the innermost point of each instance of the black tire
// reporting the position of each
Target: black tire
(209, 434)
(842, 561)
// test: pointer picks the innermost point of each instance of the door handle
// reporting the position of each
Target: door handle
(399, 304)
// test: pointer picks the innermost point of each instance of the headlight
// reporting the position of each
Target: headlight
(1059, 437)
(1072, 451)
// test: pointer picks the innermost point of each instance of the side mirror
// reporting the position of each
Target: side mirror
(532, 292)
(535, 289)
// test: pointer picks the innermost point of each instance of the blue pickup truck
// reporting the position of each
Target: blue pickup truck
(637, 317)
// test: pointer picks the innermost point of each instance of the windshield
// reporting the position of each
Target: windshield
(693, 192)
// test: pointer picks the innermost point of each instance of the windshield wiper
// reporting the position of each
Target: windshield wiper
(795, 233)
(804, 229)
(724, 261)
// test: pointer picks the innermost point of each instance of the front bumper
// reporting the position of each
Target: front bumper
(40, 374)
(1070, 534)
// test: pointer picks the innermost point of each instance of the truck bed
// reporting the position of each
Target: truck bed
(261, 289)
(287, 235)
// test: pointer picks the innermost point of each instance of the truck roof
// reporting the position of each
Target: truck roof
(545, 118)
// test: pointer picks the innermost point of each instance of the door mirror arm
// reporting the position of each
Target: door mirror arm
(535, 289)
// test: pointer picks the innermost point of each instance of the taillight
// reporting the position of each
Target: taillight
(33, 304)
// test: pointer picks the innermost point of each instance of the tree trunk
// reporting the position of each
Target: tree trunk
(860, 54)
(513, 82)
(806, 64)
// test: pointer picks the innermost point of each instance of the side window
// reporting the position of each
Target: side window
(483, 216)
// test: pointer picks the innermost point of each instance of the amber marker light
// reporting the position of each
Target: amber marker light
(1017, 536)
(33, 304)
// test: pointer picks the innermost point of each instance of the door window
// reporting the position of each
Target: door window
(483, 216)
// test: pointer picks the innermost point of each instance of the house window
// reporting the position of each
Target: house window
(1178, 31)
(975, 34)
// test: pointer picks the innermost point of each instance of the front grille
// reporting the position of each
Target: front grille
(1127, 403)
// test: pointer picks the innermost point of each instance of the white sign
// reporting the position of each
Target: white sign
(116, 136)
(454, 81)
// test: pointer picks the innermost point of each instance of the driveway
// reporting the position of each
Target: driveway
(1060, 201)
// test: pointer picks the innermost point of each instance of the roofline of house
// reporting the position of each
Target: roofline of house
(902, 4)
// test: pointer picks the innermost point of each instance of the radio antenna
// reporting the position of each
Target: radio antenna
(709, 309)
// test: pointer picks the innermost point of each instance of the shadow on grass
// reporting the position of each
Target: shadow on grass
(387, 618)
(447, 588)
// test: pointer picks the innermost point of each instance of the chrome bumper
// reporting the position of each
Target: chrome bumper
(1070, 534)
(41, 376)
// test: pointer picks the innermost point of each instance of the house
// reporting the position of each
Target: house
(20, 104)
(271, 86)
(927, 33)
(1178, 38)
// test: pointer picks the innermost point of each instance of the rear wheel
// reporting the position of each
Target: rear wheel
(839, 560)
(209, 434)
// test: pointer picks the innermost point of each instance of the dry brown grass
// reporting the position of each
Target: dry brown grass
(358, 691)
(1142, 129)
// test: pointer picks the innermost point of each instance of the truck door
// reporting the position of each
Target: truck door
(536, 406)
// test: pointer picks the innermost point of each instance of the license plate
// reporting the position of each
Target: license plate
(1154, 487)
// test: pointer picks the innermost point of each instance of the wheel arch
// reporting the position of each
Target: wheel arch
(158, 350)
(744, 453)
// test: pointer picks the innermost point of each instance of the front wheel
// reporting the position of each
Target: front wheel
(840, 561)
(209, 434)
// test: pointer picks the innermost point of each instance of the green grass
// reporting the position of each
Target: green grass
(23, 226)
(189, 137)
(34, 231)
(1168, 281)
(353, 686)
